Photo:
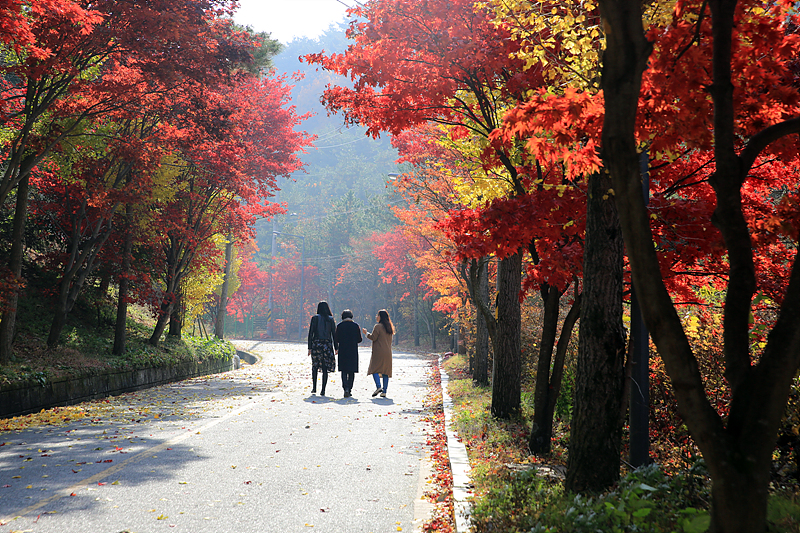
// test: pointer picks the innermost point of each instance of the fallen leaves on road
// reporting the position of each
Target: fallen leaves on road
(186, 400)
(441, 491)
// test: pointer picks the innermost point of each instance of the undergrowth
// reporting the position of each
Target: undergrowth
(517, 492)
(87, 341)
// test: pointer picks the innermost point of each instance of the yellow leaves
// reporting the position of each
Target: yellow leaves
(161, 517)
(58, 416)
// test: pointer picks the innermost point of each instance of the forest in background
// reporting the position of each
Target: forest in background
(338, 203)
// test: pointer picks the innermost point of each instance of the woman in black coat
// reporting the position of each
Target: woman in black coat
(348, 335)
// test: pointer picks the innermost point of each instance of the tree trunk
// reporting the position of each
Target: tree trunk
(739, 498)
(219, 323)
(415, 318)
(105, 283)
(59, 315)
(161, 324)
(82, 255)
(432, 328)
(544, 409)
(481, 370)
(542, 427)
(121, 326)
(506, 387)
(595, 440)
(561, 355)
(9, 320)
(176, 318)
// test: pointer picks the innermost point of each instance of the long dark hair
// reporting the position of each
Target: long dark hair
(324, 309)
(383, 318)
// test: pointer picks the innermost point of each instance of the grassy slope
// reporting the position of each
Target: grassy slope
(88, 338)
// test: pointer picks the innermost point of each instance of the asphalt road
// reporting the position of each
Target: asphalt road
(247, 451)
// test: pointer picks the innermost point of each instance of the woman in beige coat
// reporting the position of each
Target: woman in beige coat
(380, 364)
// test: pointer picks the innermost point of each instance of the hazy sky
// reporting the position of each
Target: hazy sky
(287, 19)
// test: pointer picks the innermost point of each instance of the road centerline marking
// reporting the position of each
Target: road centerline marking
(62, 493)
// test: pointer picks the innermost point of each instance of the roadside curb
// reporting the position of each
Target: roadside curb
(459, 461)
(23, 398)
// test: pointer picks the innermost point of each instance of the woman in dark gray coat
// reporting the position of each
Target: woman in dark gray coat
(322, 345)
(348, 335)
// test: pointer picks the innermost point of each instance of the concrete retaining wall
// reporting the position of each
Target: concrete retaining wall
(19, 399)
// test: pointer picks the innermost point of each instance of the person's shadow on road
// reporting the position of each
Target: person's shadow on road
(383, 401)
(314, 398)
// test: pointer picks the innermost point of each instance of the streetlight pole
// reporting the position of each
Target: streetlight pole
(302, 280)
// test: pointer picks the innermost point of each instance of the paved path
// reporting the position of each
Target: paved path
(246, 451)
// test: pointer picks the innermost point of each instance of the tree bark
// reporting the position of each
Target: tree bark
(481, 371)
(548, 384)
(219, 323)
(541, 427)
(506, 387)
(561, 354)
(176, 318)
(596, 436)
(161, 324)
(9, 320)
(121, 325)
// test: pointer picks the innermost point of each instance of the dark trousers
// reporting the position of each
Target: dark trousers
(347, 380)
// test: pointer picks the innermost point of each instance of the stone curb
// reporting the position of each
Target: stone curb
(22, 399)
(459, 461)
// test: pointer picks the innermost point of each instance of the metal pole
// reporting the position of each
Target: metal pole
(271, 282)
(302, 288)
(640, 368)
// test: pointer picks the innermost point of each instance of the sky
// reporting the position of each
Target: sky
(288, 19)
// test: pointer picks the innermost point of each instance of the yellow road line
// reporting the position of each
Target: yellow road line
(116, 468)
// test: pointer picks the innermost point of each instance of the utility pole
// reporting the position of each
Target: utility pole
(640, 367)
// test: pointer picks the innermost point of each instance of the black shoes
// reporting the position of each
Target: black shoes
(377, 391)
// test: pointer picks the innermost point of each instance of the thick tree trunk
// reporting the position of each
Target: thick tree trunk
(595, 440)
(9, 320)
(506, 386)
(59, 315)
(176, 319)
(739, 499)
(121, 326)
(219, 323)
